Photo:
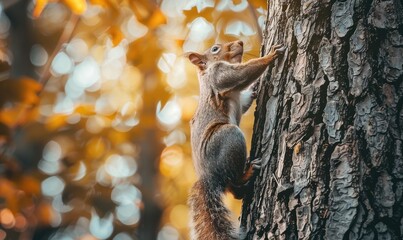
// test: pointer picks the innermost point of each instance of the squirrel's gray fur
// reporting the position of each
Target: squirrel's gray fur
(218, 144)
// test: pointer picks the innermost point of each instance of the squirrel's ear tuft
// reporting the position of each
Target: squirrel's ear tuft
(196, 59)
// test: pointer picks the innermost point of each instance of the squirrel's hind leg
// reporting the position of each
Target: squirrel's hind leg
(239, 188)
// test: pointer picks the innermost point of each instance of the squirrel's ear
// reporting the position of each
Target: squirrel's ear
(196, 59)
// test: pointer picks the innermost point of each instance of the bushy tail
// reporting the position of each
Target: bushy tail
(210, 218)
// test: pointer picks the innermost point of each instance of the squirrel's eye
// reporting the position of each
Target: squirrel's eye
(215, 49)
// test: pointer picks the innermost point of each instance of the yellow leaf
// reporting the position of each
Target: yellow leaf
(102, 3)
(77, 6)
(117, 137)
(179, 42)
(116, 35)
(156, 19)
(85, 110)
(95, 148)
(56, 121)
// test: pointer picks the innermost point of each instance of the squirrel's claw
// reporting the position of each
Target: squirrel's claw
(281, 50)
(256, 164)
(277, 49)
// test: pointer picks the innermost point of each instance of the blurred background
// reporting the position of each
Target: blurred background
(95, 103)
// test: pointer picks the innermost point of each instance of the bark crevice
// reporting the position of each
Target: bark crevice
(329, 124)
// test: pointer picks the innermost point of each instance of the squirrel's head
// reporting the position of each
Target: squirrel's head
(230, 52)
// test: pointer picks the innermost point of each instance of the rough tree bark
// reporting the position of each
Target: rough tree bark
(329, 123)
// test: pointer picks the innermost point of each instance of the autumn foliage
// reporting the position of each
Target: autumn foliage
(95, 100)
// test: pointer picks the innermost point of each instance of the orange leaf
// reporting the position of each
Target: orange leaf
(86, 110)
(23, 90)
(102, 3)
(44, 213)
(156, 19)
(116, 35)
(30, 185)
(13, 116)
(179, 42)
(117, 137)
(9, 193)
(56, 121)
(77, 6)
(95, 148)
(39, 6)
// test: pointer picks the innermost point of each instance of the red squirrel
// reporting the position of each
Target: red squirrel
(227, 89)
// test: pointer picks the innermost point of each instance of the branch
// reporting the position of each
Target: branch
(64, 37)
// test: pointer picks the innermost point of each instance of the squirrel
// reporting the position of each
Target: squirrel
(227, 89)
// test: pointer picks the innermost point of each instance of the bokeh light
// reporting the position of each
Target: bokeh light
(169, 115)
(38, 55)
(7, 218)
(101, 228)
(106, 146)
(52, 186)
(62, 64)
(120, 166)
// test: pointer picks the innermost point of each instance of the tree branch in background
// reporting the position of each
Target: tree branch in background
(64, 38)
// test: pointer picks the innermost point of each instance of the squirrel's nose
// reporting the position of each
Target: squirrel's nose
(240, 43)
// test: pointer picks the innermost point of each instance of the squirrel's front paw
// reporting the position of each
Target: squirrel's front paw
(277, 50)
(256, 164)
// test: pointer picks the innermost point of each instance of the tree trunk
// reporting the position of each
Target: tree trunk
(329, 123)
